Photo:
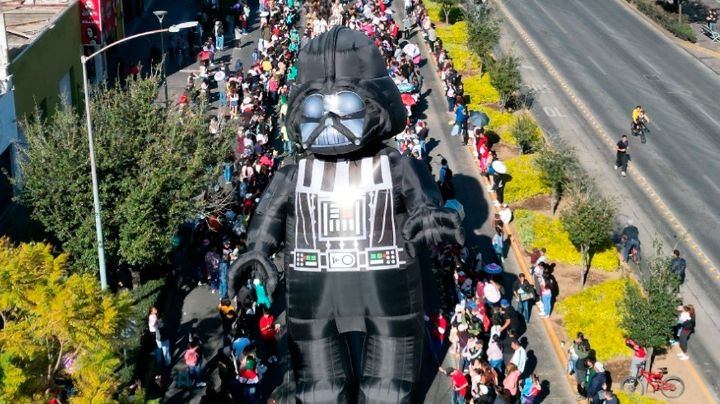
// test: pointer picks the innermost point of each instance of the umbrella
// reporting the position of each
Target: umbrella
(411, 50)
(203, 55)
(493, 269)
(499, 167)
(408, 99)
(455, 205)
(219, 76)
(405, 87)
(478, 118)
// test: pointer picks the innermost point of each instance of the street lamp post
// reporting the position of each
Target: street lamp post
(160, 14)
(91, 142)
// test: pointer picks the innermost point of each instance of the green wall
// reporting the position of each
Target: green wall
(38, 70)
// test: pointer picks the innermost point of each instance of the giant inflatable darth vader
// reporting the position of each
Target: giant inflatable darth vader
(350, 214)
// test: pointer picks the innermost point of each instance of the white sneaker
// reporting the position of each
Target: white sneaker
(622, 173)
(615, 168)
(684, 357)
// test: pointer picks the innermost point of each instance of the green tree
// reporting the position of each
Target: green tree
(558, 166)
(589, 223)
(447, 7)
(648, 310)
(483, 25)
(57, 327)
(505, 76)
(151, 163)
(527, 134)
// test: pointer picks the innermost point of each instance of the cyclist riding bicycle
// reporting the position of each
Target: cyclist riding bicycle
(639, 119)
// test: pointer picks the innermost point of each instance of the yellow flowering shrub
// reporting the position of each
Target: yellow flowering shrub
(453, 34)
(464, 60)
(434, 11)
(480, 91)
(543, 231)
(501, 122)
(595, 313)
(634, 398)
(525, 181)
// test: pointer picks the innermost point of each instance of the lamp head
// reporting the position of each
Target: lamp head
(160, 14)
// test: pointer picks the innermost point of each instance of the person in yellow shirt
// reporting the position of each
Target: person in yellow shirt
(639, 117)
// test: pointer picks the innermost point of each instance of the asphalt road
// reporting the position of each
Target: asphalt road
(612, 61)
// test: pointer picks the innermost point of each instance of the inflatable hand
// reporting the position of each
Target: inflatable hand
(434, 226)
(267, 273)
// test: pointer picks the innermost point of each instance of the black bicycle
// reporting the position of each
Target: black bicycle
(640, 128)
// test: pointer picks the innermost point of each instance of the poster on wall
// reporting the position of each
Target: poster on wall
(90, 22)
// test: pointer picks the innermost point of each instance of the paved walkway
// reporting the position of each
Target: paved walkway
(195, 311)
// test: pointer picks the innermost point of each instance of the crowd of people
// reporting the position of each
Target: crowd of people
(485, 322)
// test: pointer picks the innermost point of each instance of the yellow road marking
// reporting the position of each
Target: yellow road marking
(581, 105)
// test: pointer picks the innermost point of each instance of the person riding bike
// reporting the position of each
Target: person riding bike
(639, 119)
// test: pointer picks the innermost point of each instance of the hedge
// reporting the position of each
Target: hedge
(453, 34)
(480, 91)
(463, 58)
(501, 122)
(434, 11)
(634, 398)
(538, 230)
(525, 181)
(594, 312)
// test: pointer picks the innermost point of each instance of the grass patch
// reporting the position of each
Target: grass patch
(595, 313)
(480, 91)
(538, 230)
(525, 179)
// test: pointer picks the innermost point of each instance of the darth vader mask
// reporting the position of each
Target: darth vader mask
(343, 99)
(331, 120)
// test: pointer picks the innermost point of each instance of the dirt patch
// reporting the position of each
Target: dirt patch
(618, 369)
(539, 203)
(568, 279)
(505, 151)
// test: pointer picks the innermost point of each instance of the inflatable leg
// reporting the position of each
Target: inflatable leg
(320, 363)
(393, 354)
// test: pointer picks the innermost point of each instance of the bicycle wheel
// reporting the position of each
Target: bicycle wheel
(633, 385)
(672, 387)
(643, 140)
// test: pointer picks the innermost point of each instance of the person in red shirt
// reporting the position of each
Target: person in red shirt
(268, 331)
(438, 325)
(459, 384)
(639, 356)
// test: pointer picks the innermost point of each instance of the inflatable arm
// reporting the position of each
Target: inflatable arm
(266, 232)
(427, 221)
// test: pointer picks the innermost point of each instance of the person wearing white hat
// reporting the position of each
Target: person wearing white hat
(597, 384)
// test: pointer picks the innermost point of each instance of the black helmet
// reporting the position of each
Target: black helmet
(343, 99)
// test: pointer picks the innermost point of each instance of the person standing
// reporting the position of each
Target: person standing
(546, 296)
(621, 157)
(678, 266)
(193, 360)
(686, 327)
(523, 292)
(219, 35)
(268, 331)
(639, 356)
(581, 347)
(498, 243)
(519, 355)
(459, 384)
(438, 325)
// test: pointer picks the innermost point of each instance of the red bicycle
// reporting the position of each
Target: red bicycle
(670, 386)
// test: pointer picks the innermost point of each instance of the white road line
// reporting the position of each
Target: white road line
(700, 108)
(539, 4)
(597, 66)
(649, 65)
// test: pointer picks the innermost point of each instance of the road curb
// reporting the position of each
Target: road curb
(554, 339)
(636, 175)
